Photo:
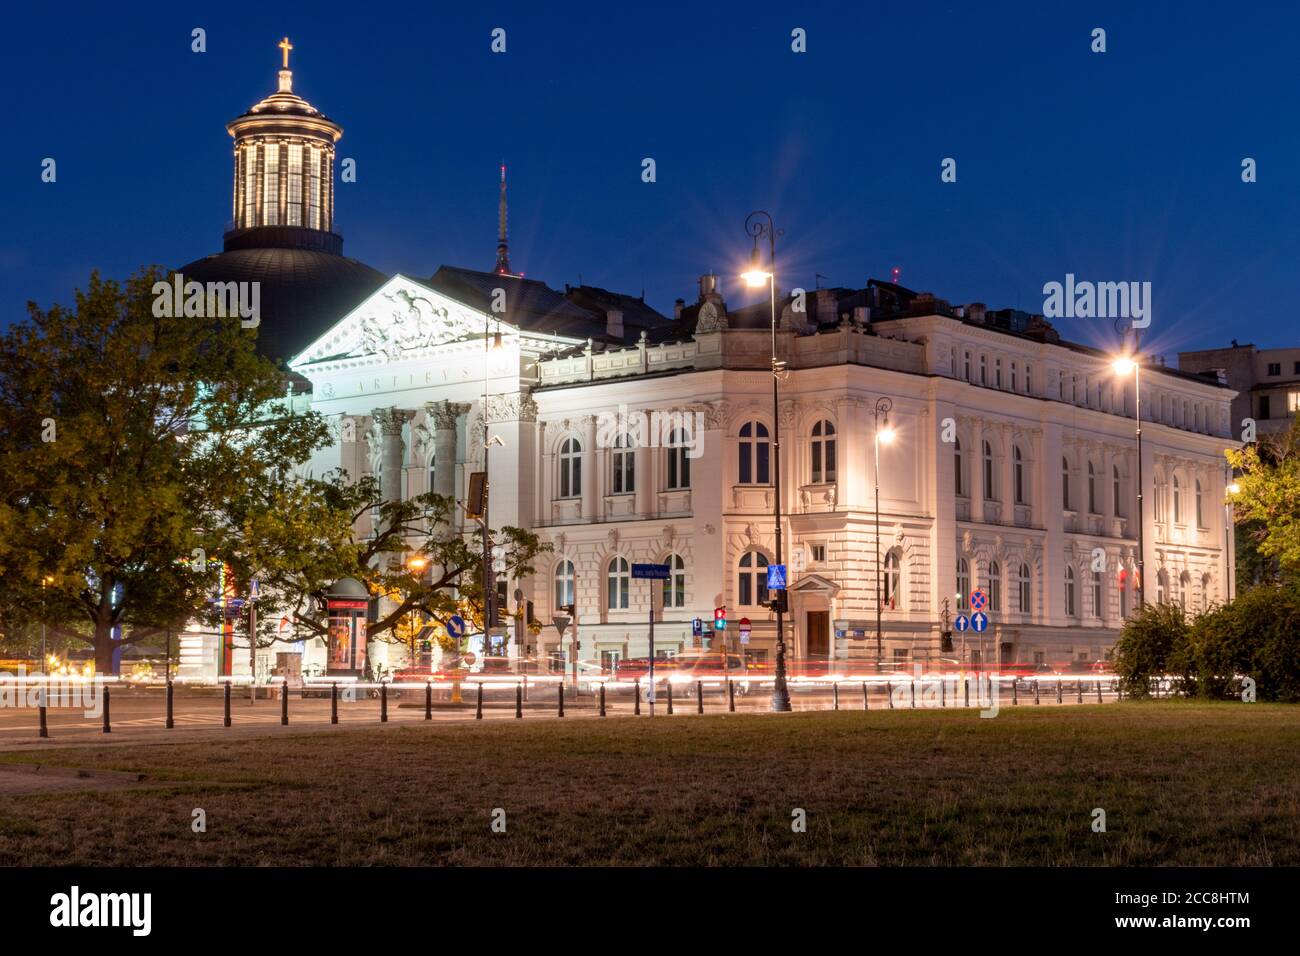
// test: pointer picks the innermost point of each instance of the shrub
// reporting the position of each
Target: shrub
(1256, 636)
(1154, 642)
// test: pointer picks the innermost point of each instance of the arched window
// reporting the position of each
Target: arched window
(957, 470)
(963, 580)
(1092, 491)
(618, 580)
(679, 461)
(1071, 608)
(1096, 594)
(995, 586)
(752, 579)
(1200, 505)
(571, 468)
(754, 448)
(990, 489)
(823, 453)
(1018, 473)
(623, 461)
(564, 583)
(893, 581)
(1065, 484)
(1023, 595)
(675, 583)
(1178, 501)
(1114, 478)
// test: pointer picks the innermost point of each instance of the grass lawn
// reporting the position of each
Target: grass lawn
(1181, 783)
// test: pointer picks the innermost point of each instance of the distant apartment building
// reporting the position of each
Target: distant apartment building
(1267, 382)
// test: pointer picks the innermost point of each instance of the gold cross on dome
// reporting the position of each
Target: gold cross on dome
(286, 46)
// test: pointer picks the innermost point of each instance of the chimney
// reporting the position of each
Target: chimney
(677, 308)
(975, 312)
(614, 323)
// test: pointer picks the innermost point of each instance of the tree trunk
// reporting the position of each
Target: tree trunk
(104, 646)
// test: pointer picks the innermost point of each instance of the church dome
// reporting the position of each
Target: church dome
(282, 231)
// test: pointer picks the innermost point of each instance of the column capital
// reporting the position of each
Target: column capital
(391, 420)
(445, 414)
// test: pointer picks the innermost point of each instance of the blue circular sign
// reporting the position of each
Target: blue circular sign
(456, 626)
(979, 621)
(961, 623)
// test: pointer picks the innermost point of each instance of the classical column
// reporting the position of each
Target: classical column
(393, 453)
(646, 478)
(591, 463)
(978, 493)
(445, 416)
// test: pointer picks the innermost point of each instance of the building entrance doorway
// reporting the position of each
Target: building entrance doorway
(818, 633)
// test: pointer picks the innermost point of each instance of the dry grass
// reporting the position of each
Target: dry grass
(1187, 784)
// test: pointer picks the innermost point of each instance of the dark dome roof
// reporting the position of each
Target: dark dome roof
(303, 291)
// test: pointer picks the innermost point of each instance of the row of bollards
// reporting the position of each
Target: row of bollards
(602, 704)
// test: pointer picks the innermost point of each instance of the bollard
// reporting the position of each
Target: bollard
(1036, 683)
(334, 702)
(669, 686)
(636, 691)
(1058, 690)
(519, 701)
(1099, 692)
(428, 700)
(226, 718)
(108, 729)
(913, 693)
(943, 692)
(889, 689)
(170, 723)
(835, 695)
(967, 692)
(602, 698)
(478, 707)
(699, 696)
(383, 703)
(1078, 686)
(45, 730)
(865, 705)
(731, 696)
(284, 703)
(560, 711)
(1015, 693)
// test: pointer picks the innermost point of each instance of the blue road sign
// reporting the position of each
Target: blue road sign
(979, 621)
(654, 572)
(776, 577)
(961, 623)
(979, 599)
(697, 627)
(456, 626)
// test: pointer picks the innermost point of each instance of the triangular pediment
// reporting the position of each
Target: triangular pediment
(815, 582)
(400, 319)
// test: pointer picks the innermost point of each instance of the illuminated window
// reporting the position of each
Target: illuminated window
(313, 187)
(823, 453)
(564, 584)
(1293, 401)
(624, 464)
(893, 579)
(754, 448)
(570, 468)
(271, 186)
(752, 579)
(675, 583)
(618, 584)
(679, 461)
(293, 211)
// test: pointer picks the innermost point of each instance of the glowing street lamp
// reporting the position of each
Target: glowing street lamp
(1132, 365)
(757, 225)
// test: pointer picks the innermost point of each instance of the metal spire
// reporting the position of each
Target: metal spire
(503, 247)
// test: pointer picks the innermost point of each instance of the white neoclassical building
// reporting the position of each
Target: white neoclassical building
(1013, 468)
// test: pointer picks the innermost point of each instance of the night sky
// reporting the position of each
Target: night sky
(1117, 166)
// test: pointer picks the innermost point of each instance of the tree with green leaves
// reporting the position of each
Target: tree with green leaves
(1267, 504)
(125, 435)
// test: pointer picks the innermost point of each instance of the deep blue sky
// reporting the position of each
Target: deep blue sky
(1118, 166)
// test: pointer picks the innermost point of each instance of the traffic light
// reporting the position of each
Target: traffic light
(719, 618)
(778, 602)
(498, 558)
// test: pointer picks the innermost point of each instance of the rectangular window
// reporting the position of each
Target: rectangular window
(1293, 401)
(1274, 368)
(313, 187)
(818, 553)
(271, 186)
(294, 208)
(997, 366)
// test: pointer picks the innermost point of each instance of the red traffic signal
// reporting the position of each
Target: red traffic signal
(719, 618)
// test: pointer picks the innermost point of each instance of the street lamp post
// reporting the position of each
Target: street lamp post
(1231, 488)
(1124, 365)
(883, 407)
(757, 225)
(491, 342)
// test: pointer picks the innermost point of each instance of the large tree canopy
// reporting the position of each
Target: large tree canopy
(124, 437)
(1267, 505)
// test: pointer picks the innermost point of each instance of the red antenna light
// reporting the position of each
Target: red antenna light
(897, 272)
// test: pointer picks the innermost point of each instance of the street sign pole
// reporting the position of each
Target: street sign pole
(651, 691)
(652, 573)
